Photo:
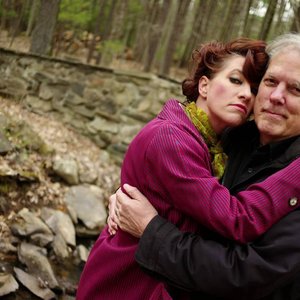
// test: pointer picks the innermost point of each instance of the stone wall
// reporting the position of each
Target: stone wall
(109, 106)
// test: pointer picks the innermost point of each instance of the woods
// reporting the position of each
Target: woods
(155, 34)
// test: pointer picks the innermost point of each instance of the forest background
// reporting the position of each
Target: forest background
(147, 35)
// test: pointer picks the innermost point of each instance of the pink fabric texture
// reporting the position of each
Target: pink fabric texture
(169, 162)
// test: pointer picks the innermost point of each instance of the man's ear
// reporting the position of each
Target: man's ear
(203, 86)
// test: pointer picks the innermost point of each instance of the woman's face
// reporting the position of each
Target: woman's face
(227, 97)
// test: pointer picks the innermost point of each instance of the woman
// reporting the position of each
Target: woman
(177, 154)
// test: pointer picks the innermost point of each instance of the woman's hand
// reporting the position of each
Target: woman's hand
(112, 225)
(133, 214)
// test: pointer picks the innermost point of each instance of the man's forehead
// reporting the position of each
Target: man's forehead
(286, 65)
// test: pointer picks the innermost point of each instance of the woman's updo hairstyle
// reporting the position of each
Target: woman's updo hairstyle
(210, 57)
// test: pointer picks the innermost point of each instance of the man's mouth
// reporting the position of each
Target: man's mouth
(274, 113)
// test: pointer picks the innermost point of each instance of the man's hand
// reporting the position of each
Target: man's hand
(133, 214)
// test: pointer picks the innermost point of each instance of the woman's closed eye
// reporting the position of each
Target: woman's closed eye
(235, 80)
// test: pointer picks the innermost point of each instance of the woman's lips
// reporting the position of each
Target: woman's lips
(241, 108)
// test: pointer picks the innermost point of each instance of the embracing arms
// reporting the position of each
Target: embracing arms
(188, 261)
(182, 169)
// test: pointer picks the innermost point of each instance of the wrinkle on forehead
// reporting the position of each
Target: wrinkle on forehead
(286, 65)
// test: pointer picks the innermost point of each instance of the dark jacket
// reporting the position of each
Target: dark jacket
(268, 268)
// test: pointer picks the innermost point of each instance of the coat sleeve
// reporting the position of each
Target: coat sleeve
(187, 261)
(180, 164)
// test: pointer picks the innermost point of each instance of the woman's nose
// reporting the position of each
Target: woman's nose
(246, 92)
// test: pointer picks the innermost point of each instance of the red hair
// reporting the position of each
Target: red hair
(210, 57)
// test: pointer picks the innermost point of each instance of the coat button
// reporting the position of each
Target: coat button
(293, 201)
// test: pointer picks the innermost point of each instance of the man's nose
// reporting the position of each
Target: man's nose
(278, 94)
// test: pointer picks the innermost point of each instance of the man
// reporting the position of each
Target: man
(268, 268)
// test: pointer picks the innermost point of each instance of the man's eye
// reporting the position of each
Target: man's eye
(269, 82)
(235, 80)
(295, 90)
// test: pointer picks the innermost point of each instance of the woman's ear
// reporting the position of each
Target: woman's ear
(203, 86)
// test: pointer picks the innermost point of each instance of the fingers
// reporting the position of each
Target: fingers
(121, 199)
(133, 192)
(112, 226)
(112, 203)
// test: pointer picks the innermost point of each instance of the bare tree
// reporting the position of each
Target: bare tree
(279, 26)
(267, 21)
(195, 35)
(158, 16)
(175, 32)
(96, 34)
(118, 28)
(296, 21)
(20, 8)
(35, 6)
(247, 19)
(142, 23)
(232, 20)
(42, 34)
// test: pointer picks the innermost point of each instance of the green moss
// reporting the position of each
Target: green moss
(23, 137)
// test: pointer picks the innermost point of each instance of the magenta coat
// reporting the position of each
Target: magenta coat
(170, 163)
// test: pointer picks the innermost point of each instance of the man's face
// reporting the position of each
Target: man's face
(277, 104)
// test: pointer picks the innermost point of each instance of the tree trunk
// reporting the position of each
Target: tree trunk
(176, 31)
(211, 16)
(32, 16)
(232, 21)
(20, 9)
(278, 26)
(6, 19)
(189, 45)
(42, 35)
(247, 17)
(155, 30)
(110, 20)
(267, 21)
(96, 31)
(119, 15)
(143, 27)
(296, 21)
(249, 20)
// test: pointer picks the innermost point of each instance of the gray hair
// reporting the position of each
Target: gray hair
(282, 42)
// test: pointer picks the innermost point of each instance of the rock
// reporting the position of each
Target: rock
(34, 285)
(88, 172)
(60, 246)
(66, 168)
(8, 284)
(84, 111)
(60, 223)
(78, 88)
(45, 92)
(83, 253)
(6, 247)
(87, 201)
(5, 145)
(100, 124)
(37, 263)
(129, 132)
(30, 225)
(36, 104)
(73, 99)
(41, 239)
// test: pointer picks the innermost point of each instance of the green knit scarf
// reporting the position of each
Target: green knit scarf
(200, 119)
